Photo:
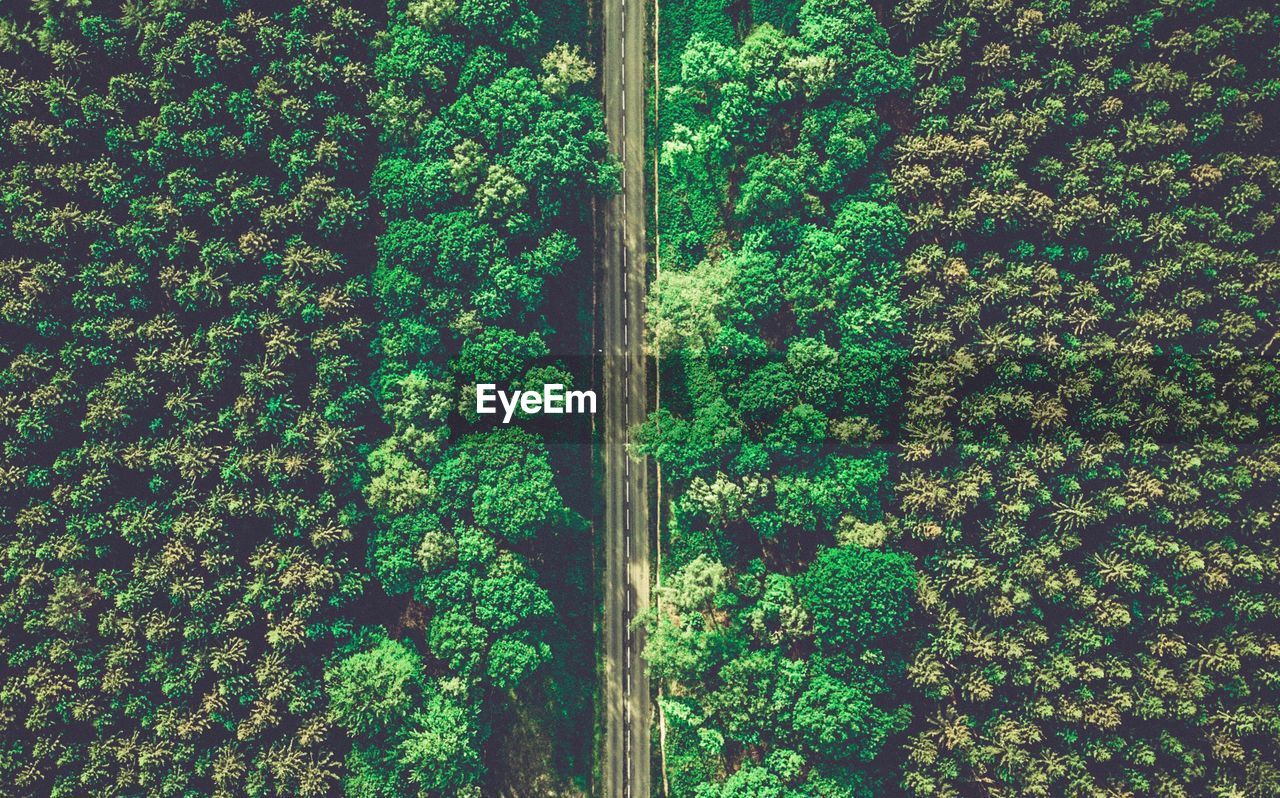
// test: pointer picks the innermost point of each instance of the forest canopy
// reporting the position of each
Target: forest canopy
(778, 629)
(964, 317)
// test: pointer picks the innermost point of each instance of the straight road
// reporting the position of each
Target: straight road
(625, 770)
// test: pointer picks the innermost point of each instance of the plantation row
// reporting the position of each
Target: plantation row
(1092, 194)
(186, 322)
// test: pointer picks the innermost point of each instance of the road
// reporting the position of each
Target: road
(625, 769)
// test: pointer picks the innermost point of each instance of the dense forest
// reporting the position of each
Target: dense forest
(780, 620)
(488, 146)
(966, 333)
(250, 255)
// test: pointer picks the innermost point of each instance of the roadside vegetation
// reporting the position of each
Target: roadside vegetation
(779, 637)
(490, 144)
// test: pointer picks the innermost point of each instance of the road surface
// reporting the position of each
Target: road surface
(625, 771)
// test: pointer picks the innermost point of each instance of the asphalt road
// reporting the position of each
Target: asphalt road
(628, 708)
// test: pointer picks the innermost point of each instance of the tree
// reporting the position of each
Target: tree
(373, 691)
(858, 597)
(441, 750)
(503, 482)
(565, 66)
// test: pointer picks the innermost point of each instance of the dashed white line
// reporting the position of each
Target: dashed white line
(626, 405)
